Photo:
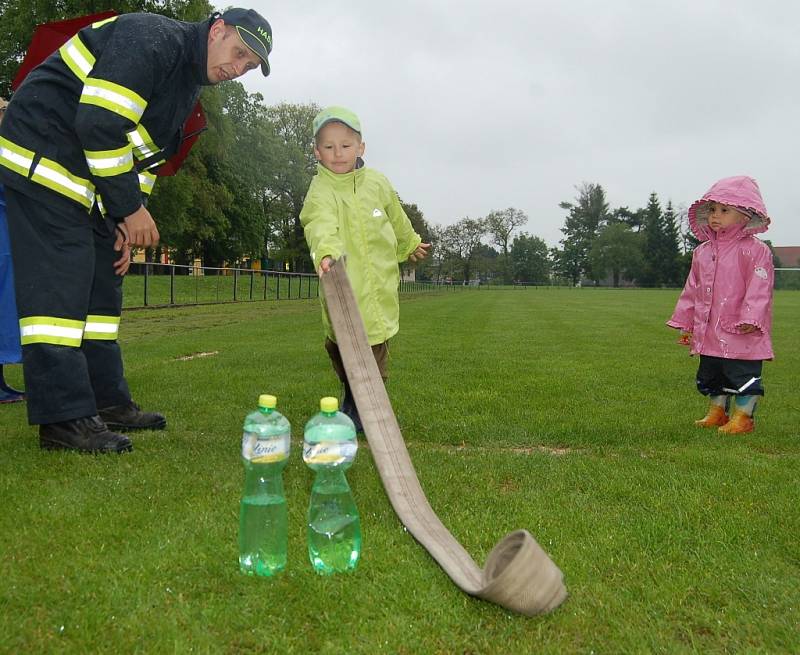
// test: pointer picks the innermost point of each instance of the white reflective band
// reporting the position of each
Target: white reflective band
(747, 384)
(78, 59)
(143, 150)
(104, 328)
(104, 163)
(51, 331)
(113, 98)
(62, 180)
(15, 158)
(147, 182)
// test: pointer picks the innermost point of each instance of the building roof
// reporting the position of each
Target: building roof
(789, 255)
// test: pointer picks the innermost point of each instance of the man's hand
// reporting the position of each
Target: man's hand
(122, 265)
(141, 228)
(420, 253)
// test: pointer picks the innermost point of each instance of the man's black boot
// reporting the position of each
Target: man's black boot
(88, 434)
(349, 408)
(130, 417)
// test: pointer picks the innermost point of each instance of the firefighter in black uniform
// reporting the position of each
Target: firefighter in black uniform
(115, 94)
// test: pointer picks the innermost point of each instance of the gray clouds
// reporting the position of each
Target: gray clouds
(474, 106)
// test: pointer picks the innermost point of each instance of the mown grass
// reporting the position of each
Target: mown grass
(566, 412)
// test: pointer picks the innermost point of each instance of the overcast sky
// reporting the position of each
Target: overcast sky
(477, 105)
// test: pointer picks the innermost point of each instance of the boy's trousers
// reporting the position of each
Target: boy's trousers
(69, 302)
(380, 351)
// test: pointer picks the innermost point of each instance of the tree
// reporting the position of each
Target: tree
(672, 270)
(461, 242)
(421, 227)
(500, 225)
(660, 249)
(581, 226)
(617, 250)
(287, 186)
(530, 261)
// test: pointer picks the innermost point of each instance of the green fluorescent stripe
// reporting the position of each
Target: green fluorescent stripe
(77, 57)
(99, 336)
(100, 23)
(51, 320)
(54, 176)
(56, 341)
(15, 158)
(114, 97)
(108, 320)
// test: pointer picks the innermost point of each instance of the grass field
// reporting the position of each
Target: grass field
(566, 412)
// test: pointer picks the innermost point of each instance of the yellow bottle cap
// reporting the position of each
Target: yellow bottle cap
(329, 404)
(265, 400)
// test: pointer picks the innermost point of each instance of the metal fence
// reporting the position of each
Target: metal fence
(164, 285)
(159, 285)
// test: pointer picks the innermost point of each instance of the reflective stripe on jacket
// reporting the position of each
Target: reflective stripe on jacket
(358, 215)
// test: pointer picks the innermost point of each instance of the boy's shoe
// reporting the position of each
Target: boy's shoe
(716, 417)
(349, 408)
(88, 434)
(740, 423)
(130, 417)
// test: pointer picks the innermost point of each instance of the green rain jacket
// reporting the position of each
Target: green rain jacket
(358, 215)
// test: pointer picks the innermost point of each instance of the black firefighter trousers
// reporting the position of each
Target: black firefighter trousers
(64, 276)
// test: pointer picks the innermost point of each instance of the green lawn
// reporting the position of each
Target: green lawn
(566, 412)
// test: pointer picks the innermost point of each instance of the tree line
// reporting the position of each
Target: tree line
(238, 196)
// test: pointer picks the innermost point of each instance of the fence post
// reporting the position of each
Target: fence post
(172, 284)
(252, 281)
(146, 277)
(235, 283)
(266, 278)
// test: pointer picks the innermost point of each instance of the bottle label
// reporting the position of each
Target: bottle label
(329, 453)
(265, 450)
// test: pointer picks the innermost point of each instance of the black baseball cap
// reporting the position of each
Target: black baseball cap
(254, 31)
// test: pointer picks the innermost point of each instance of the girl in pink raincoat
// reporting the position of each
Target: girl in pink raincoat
(725, 309)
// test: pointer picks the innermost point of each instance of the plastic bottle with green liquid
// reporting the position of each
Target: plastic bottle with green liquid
(334, 527)
(262, 512)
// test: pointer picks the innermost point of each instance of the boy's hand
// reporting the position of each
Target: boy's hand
(325, 265)
(685, 339)
(420, 253)
(746, 328)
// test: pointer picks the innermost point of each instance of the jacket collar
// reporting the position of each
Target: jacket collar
(341, 180)
(198, 52)
(729, 234)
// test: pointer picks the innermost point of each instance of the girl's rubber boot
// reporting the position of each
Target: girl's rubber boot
(741, 423)
(715, 417)
(742, 420)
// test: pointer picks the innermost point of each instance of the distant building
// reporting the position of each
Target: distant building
(789, 256)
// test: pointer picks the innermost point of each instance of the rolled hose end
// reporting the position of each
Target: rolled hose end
(521, 577)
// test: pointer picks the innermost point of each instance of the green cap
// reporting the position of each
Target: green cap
(329, 404)
(336, 115)
(265, 400)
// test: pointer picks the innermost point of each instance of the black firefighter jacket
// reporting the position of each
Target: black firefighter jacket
(116, 93)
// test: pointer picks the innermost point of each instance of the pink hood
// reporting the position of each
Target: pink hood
(739, 191)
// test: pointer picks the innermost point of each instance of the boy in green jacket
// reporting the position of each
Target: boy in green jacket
(351, 210)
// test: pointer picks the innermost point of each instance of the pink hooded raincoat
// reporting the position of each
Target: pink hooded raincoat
(730, 282)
